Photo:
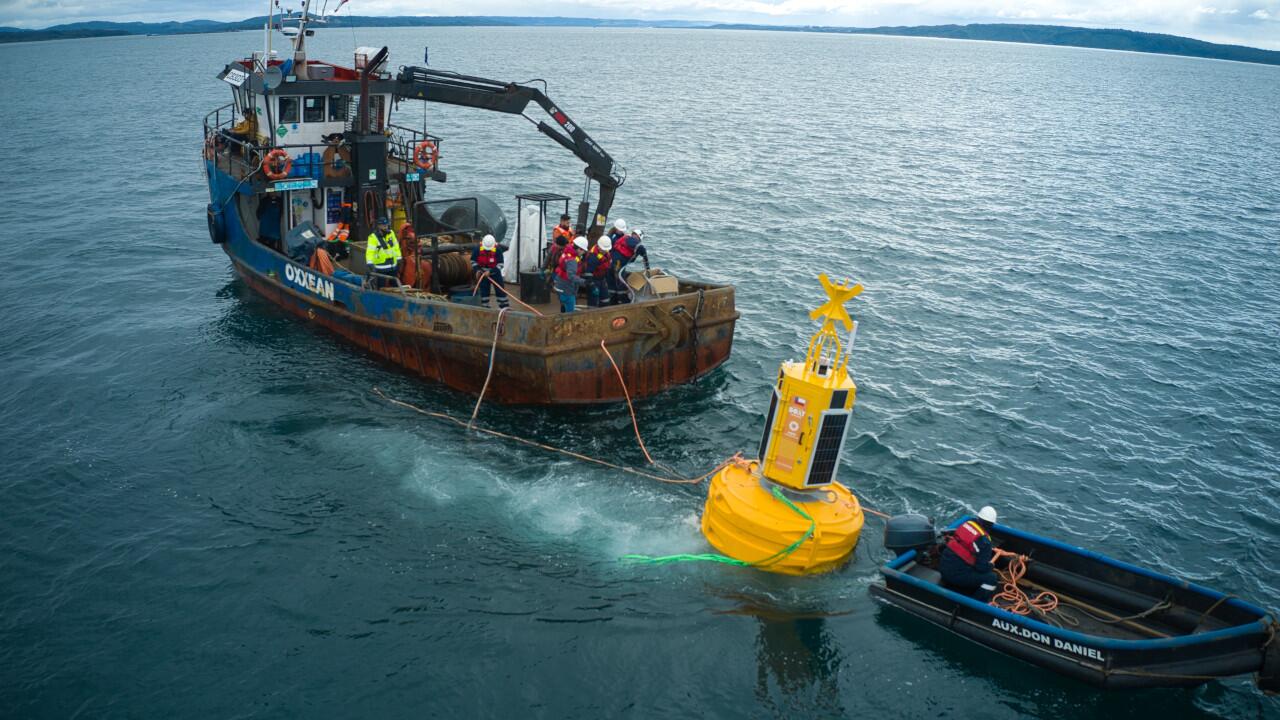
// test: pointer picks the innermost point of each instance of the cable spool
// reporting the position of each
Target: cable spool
(454, 269)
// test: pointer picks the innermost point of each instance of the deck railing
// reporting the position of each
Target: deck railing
(402, 142)
(328, 164)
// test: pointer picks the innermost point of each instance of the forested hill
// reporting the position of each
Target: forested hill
(1057, 35)
(1033, 34)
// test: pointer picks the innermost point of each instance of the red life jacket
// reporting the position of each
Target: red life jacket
(565, 257)
(602, 262)
(487, 259)
(626, 246)
(553, 256)
(964, 542)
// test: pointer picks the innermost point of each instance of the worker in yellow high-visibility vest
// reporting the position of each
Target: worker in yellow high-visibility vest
(382, 255)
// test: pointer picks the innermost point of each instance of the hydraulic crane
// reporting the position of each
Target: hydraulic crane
(417, 83)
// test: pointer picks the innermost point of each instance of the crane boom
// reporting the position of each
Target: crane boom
(418, 83)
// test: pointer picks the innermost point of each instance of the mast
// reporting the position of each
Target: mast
(266, 28)
(300, 44)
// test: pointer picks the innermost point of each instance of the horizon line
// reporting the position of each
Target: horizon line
(695, 24)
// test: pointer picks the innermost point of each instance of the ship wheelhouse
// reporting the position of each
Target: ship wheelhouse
(311, 115)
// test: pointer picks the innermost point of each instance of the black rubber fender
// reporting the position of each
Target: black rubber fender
(217, 224)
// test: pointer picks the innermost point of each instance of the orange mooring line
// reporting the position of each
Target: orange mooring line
(631, 409)
(493, 351)
(550, 448)
(485, 277)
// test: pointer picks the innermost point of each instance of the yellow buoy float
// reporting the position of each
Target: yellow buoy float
(786, 513)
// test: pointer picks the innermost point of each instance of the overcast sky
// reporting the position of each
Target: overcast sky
(1245, 22)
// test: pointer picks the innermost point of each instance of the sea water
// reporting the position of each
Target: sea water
(1070, 260)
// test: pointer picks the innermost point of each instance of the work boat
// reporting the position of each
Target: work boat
(324, 160)
(1083, 614)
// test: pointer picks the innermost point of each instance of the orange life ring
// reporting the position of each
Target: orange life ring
(272, 159)
(425, 155)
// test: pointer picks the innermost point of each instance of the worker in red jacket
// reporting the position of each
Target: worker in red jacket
(966, 558)
(597, 265)
(486, 261)
(626, 247)
(566, 278)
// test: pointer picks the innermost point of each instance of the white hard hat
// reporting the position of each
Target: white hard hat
(605, 243)
(488, 243)
(620, 224)
(987, 514)
(639, 233)
(581, 241)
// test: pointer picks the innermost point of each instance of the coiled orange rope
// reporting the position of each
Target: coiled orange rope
(1012, 597)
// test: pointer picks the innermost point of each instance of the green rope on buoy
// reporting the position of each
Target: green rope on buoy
(666, 559)
(725, 559)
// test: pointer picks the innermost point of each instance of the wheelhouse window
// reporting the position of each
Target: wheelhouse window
(313, 108)
(288, 109)
(337, 108)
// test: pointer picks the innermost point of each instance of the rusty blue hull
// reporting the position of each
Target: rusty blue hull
(544, 360)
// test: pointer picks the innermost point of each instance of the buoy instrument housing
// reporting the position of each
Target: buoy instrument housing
(786, 512)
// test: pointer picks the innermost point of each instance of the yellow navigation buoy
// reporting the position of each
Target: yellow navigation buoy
(786, 513)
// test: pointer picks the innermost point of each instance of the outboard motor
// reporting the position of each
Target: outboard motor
(903, 533)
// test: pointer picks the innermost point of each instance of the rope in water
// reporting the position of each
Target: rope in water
(737, 457)
(493, 351)
(716, 557)
(627, 395)
(877, 513)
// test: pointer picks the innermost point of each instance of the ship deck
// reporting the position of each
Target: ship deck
(550, 306)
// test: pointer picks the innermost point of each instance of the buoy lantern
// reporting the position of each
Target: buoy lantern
(786, 512)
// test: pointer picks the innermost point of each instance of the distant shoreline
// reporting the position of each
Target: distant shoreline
(1054, 35)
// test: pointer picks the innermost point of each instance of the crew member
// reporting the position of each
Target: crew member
(563, 231)
(626, 247)
(411, 271)
(336, 242)
(597, 265)
(554, 251)
(617, 229)
(382, 255)
(966, 558)
(567, 279)
(246, 131)
(486, 262)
